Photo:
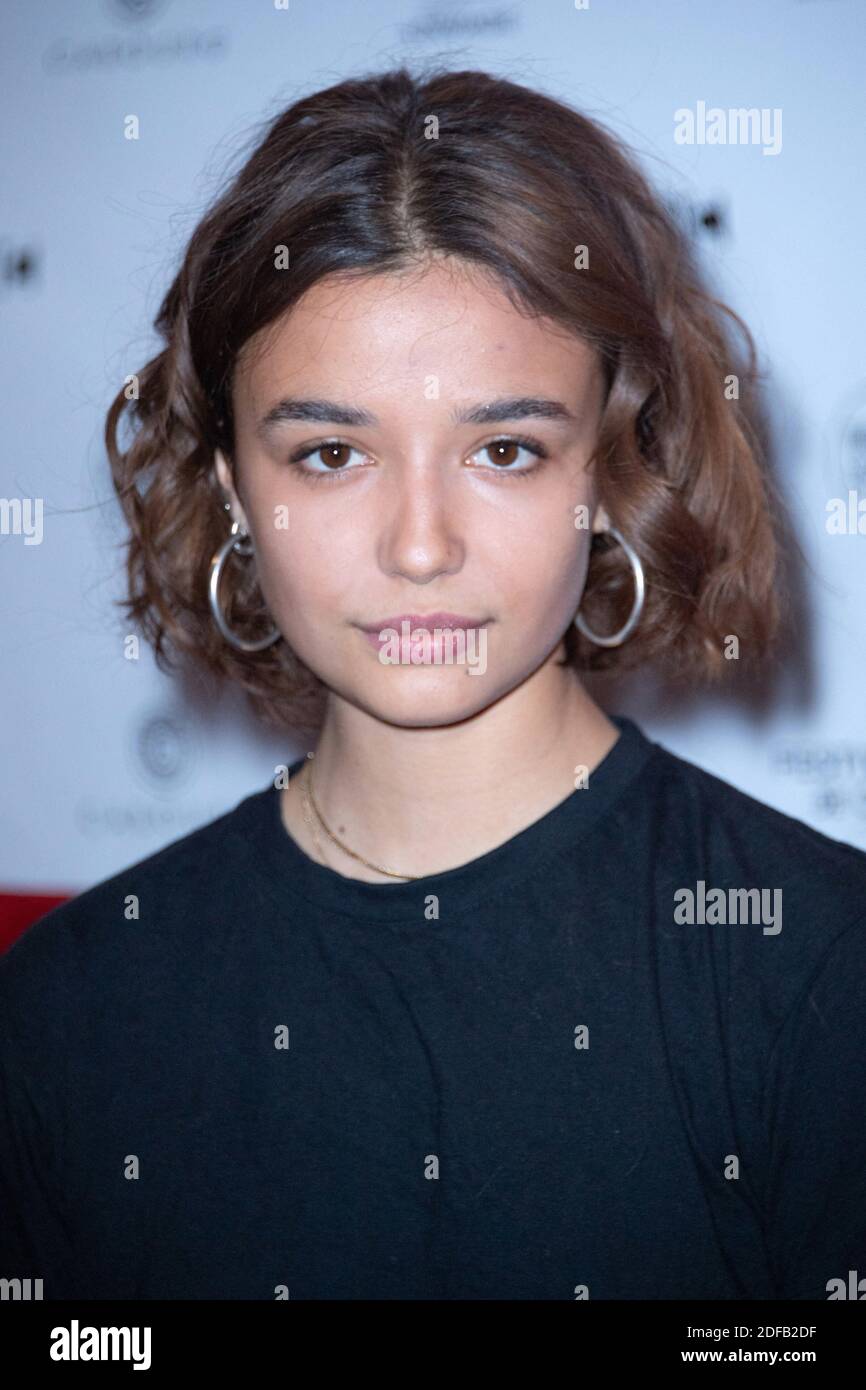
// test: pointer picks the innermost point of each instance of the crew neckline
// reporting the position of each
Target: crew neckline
(290, 870)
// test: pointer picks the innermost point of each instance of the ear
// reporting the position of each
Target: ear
(224, 476)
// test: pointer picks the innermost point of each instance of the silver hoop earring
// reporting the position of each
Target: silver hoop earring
(241, 543)
(628, 627)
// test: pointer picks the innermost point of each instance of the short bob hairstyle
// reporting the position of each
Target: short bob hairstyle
(359, 179)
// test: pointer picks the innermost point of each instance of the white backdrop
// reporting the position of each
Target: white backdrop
(105, 760)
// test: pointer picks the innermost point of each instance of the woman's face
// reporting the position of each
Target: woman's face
(411, 500)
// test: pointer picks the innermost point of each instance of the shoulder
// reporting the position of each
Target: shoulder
(133, 920)
(708, 820)
(764, 901)
(757, 923)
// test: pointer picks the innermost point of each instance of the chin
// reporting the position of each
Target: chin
(426, 700)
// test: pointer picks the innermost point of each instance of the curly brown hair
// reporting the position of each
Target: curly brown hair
(350, 180)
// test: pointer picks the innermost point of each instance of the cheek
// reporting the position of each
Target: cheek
(550, 576)
(302, 577)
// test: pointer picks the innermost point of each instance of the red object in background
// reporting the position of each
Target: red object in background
(18, 911)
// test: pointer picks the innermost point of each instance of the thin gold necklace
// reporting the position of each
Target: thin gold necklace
(310, 802)
(311, 824)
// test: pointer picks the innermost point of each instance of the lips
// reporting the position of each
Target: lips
(427, 621)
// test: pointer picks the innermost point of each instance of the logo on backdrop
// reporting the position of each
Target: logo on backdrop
(843, 462)
(853, 448)
(437, 19)
(832, 775)
(704, 219)
(136, 9)
(20, 265)
(165, 751)
(136, 46)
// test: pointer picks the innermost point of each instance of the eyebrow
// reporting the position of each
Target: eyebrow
(489, 412)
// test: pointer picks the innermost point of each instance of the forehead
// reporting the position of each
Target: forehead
(388, 334)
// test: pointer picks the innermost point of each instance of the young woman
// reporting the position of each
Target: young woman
(491, 996)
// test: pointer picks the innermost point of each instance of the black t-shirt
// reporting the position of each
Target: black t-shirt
(581, 1065)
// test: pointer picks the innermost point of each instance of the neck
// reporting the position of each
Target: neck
(423, 800)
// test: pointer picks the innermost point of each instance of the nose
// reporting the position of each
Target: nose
(421, 535)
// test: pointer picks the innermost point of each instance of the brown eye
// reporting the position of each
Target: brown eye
(334, 454)
(325, 461)
(503, 451)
